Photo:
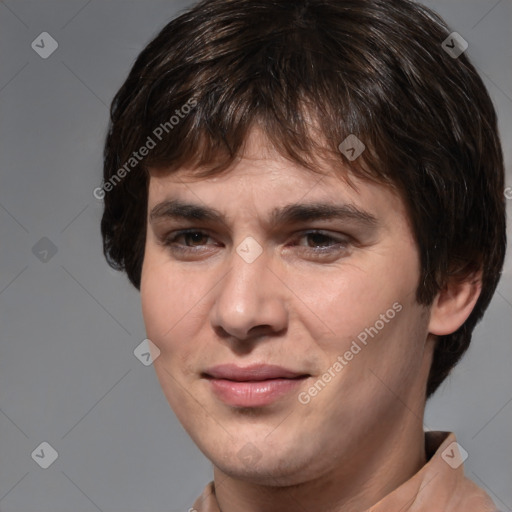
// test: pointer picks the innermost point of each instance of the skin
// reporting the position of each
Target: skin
(362, 435)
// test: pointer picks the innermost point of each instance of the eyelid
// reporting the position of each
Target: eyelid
(170, 237)
(297, 233)
(337, 240)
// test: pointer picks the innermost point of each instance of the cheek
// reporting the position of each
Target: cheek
(153, 301)
(160, 304)
(374, 306)
(354, 302)
(172, 300)
(164, 312)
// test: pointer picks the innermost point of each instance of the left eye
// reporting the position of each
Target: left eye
(320, 236)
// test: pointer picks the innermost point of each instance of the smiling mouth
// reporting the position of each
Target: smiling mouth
(254, 372)
(252, 379)
(253, 386)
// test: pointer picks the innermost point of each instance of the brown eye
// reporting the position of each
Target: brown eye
(195, 237)
(323, 243)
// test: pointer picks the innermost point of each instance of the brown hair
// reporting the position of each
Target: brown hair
(309, 73)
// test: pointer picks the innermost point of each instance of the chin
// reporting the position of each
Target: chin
(282, 462)
(268, 472)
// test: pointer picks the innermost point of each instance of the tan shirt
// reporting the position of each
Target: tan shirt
(440, 486)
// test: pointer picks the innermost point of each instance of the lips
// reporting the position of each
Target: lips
(256, 372)
(252, 386)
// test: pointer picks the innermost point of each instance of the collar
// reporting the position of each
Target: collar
(439, 486)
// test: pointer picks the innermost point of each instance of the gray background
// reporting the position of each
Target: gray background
(70, 324)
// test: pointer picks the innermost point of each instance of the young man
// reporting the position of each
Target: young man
(309, 197)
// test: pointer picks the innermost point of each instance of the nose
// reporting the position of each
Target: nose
(251, 300)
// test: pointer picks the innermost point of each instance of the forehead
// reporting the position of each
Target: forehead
(261, 179)
(258, 161)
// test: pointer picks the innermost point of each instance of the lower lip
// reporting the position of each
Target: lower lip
(253, 393)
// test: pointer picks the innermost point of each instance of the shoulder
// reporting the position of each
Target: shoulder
(206, 502)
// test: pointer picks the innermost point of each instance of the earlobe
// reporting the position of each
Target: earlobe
(454, 303)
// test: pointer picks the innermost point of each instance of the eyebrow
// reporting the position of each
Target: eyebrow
(289, 214)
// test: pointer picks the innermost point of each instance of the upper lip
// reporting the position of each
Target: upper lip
(253, 372)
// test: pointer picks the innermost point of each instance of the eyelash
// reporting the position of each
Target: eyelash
(170, 240)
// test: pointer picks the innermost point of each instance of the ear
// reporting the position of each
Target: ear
(454, 303)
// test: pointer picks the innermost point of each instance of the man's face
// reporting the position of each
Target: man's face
(331, 301)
